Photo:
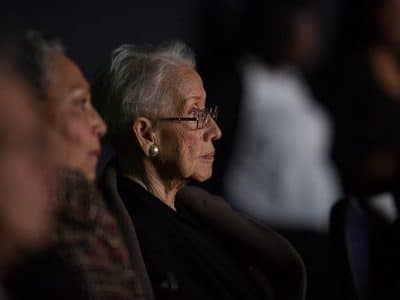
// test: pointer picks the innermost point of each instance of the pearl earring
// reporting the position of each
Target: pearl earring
(154, 150)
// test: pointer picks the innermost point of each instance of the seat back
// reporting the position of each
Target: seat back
(359, 249)
(358, 233)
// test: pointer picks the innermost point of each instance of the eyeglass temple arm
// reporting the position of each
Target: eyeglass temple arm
(179, 119)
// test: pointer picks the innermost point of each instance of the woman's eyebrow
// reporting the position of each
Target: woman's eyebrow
(185, 103)
(79, 92)
(194, 97)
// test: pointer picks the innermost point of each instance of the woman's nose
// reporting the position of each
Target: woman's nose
(213, 131)
(99, 126)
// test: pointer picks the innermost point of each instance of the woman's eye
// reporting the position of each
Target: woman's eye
(194, 112)
(81, 103)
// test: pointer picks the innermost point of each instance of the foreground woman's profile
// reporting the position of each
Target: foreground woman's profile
(194, 246)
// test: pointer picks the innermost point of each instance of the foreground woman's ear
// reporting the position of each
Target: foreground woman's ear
(144, 132)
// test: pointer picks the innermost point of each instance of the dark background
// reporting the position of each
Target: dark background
(90, 29)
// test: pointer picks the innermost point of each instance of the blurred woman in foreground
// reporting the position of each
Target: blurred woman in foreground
(26, 208)
(87, 258)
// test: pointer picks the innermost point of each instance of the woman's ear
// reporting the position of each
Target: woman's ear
(144, 131)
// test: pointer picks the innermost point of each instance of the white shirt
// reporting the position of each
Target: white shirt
(281, 172)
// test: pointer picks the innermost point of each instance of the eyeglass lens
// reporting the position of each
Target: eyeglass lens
(204, 115)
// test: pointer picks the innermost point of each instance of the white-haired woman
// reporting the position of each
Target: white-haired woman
(193, 245)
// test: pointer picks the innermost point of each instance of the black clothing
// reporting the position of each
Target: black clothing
(184, 259)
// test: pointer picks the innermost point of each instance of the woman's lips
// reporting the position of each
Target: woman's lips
(95, 153)
(209, 156)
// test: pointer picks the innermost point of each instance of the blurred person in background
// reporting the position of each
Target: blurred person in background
(87, 257)
(363, 93)
(362, 90)
(281, 172)
(194, 245)
(27, 211)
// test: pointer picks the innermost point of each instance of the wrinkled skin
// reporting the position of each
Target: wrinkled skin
(187, 153)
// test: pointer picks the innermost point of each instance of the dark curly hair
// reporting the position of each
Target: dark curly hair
(34, 57)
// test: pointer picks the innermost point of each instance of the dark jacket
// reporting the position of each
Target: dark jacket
(273, 262)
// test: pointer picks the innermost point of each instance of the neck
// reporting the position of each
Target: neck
(147, 176)
(10, 252)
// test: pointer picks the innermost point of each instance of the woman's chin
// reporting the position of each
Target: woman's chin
(88, 172)
(201, 177)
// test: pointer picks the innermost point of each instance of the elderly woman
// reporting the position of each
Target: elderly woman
(193, 245)
(88, 258)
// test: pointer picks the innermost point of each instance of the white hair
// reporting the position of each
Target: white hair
(136, 83)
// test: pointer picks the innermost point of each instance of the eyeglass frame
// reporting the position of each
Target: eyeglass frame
(211, 111)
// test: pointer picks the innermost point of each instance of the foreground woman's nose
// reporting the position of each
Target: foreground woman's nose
(213, 131)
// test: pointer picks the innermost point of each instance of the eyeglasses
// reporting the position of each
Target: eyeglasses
(201, 116)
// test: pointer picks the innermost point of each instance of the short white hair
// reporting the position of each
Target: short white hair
(135, 83)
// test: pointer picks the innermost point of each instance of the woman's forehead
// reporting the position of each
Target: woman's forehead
(66, 75)
(190, 87)
(183, 103)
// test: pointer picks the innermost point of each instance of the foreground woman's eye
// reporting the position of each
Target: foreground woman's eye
(194, 112)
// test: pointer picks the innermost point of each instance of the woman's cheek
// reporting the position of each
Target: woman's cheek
(185, 161)
(78, 131)
(75, 137)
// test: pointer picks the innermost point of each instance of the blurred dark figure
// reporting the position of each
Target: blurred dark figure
(26, 207)
(281, 171)
(362, 91)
